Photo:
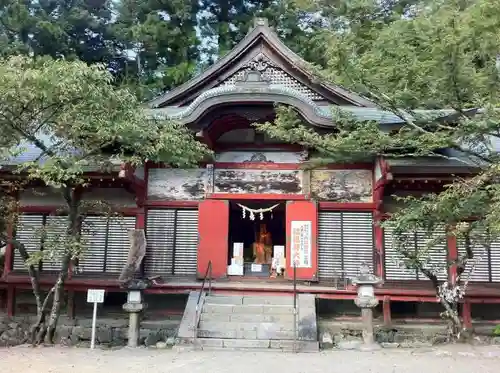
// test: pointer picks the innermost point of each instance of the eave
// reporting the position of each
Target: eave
(260, 33)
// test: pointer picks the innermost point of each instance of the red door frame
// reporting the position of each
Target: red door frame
(302, 211)
(213, 231)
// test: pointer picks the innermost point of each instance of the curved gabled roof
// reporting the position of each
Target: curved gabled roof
(261, 33)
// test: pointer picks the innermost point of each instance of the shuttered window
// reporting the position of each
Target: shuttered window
(106, 244)
(345, 242)
(487, 262)
(172, 242)
(29, 231)
(437, 256)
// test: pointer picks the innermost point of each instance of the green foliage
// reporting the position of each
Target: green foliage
(439, 55)
(79, 122)
(496, 331)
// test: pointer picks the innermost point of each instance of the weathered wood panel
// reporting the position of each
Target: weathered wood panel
(117, 197)
(257, 181)
(256, 156)
(41, 197)
(176, 184)
(391, 203)
(342, 185)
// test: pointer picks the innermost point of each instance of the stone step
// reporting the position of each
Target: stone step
(251, 300)
(256, 345)
(260, 334)
(247, 309)
(242, 317)
(250, 326)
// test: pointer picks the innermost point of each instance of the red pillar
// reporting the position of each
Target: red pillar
(378, 232)
(467, 315)
(302, 211)
(9, 251)
(213, 230)
(71, 304)
(452, 257)
(11, 294)
(386, 308)
(140, 219)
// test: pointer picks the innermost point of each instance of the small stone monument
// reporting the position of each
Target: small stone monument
(366, 300)
(135, 286)
(134, 307)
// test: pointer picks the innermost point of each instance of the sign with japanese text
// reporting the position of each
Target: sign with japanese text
(300, 244)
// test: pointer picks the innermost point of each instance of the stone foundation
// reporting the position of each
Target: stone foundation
(110, 332)
(347, 335)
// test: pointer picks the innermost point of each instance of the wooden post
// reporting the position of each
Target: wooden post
(140, 223)
(9, 251)
(11, 294)
(467, 315)
(452, 257)
(386, 308)
(71, 304)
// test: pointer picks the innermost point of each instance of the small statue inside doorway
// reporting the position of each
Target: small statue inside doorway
(262, 247)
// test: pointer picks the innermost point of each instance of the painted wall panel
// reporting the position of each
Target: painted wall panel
(260, 156)
(117, 197)
(257, 181)
(342, 185)
(41, 197)
(176, 184)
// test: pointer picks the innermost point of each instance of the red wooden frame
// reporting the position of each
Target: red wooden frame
(243, 196)
(171, 204)
(346, 206)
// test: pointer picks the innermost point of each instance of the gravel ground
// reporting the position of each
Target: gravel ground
(454, 359)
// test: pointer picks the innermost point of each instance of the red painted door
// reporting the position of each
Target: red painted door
(213, 230)
(301, 239)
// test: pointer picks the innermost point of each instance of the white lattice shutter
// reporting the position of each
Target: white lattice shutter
(329, 245)
(186, 242)
(345, 243)
(160, 230)
(480, 261)
(28, 232)
(357, 238)
(94, 237)
(438, 254)
(495, 261)
(55, 227)
(118, 243)
(394, 267)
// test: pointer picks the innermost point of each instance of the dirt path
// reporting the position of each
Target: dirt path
(456, 359)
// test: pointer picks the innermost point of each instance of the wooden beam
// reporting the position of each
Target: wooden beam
(386, 309)
(452, 257)
(71, 312)
(467, 314)
(11, 295)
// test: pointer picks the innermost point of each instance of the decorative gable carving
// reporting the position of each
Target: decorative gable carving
(262, 69)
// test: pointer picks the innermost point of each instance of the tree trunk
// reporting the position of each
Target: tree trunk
(73, 200)
(56, 309)
(37, 331)
(451, 314)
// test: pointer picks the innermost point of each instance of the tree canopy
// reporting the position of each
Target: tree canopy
(75, 120)
(437, 55)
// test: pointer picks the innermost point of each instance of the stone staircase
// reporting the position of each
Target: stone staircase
(250, 322)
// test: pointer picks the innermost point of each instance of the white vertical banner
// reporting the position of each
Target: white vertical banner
(300, 244)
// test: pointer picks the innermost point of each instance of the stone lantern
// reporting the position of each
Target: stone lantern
(366, 300)
(134, 306)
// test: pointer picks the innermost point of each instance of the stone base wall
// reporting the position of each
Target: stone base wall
(346, 335)
(110, 332)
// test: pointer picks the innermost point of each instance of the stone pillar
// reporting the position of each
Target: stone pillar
(134, 307)
(366, 300)
(367, 319)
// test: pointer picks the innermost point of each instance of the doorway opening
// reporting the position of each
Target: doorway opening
(258, 241)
